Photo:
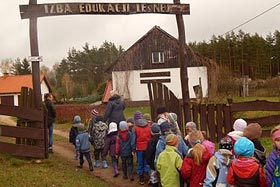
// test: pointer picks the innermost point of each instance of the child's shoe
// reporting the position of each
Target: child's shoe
(125, 177)
(96, 163)
(105, 165)
(90, 168)
(141, 179)
(116, 171)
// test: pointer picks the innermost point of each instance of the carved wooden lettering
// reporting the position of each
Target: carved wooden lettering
(56, 9)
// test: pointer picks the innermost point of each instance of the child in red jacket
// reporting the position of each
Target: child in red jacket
(245, 171)
(194, 165)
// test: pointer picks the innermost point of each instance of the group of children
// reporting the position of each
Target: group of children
(166, 158)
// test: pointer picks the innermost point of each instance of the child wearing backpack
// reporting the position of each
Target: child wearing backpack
(272, 166)
(217, 168)
(74, 132)
(244, 170)
(97, 133)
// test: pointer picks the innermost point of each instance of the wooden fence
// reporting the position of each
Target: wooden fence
(29, 137)
(216, 119)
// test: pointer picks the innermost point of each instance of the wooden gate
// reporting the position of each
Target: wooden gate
(28, 137)
(160, 95)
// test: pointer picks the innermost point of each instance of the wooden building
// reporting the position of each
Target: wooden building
(155, 57)
(10, 87)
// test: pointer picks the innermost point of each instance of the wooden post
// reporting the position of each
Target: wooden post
(33, 34)
(183, 65)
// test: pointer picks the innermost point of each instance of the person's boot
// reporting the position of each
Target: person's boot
(96, 163)
(104, 163)
(90, 167)
(116, 171)
(141, 179)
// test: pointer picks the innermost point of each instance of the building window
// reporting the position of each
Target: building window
(157, 57)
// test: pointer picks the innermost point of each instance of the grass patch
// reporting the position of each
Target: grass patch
(129, 112)
(52, 172)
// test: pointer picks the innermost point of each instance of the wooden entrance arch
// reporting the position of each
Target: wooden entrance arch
(33, 10)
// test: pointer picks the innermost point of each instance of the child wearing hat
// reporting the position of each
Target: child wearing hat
(83, 146)
(141, 135)
(194, 164)
(272, 166)
(97, 133)
(110, 146)
(161, 114)
(253, 132)
(244, 170)
(124, 149)
(74, 132)
(150, 154)
(217, 168)
(169, 163)
(238, 126)
(130, 124)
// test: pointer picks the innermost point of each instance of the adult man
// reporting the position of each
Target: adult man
(51, 117)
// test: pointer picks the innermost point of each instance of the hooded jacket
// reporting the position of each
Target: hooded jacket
(217, 169)
(124, 143)
(243, 171)
(168, 165)
(270, 166)
(114, 110)
(82, 142)
(195, 174)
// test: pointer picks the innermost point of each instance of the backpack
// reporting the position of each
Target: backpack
(73, 134)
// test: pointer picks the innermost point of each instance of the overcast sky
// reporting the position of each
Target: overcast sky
(58, 34)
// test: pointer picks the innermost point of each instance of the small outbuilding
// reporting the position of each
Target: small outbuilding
(10, 87)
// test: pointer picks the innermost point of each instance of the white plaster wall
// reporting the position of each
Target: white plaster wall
(139, 92)
(44, 89)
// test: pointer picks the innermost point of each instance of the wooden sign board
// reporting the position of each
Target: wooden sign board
(56, 9)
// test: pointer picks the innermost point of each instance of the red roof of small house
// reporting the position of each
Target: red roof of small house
(12, 84)
(106, 95)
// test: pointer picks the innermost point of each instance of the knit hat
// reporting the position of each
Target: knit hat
(113, 127)
(172, 139)
(253, 131)
(147, 116)
(161, 110)
(130, 120)
(77, 119)
(155, 128)
(94, 112)
(239, 125)
(191, 124)
(164, 127)
(141, 122)
(244, 147)
(226, 143)
(137, 115)
(123, 125)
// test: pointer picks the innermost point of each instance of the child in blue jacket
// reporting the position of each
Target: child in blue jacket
(83, 146)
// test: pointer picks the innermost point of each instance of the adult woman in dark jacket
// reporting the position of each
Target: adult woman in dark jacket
(114, 109)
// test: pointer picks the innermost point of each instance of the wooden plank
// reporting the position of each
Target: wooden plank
(265, 121)
(21, 132)
(167, 98)
(22, 112)
(160, 94)
(227, 119)
(195, 109)
(212, 129)
(155, 95)
(155, 74)
(22, 150)
(82, 8)
(203, 117)
(258, 105)
(157, 80)
(219, 120)
(151, 98)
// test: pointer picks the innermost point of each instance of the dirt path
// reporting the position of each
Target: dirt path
(66, 150)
